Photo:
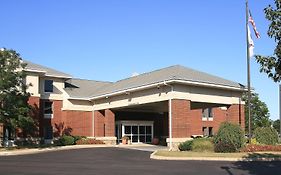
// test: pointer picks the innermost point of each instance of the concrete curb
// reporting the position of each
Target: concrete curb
(52, 149)
(229, 159)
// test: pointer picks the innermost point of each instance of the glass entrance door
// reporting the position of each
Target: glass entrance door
(138, 133)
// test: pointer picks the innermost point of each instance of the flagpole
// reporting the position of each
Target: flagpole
(248, 73)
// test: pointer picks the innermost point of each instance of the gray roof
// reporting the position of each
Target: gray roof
(79, 88)
(176, 72)
(48, 71)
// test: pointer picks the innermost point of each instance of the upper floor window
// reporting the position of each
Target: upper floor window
(207, 114)
(48, 86)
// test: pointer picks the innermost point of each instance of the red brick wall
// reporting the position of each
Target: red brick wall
(181, 118)
(99, 124)
(80, 122)
(73, 122)
(187, 122)
(236, 114)
(109, 121)
(197, 123)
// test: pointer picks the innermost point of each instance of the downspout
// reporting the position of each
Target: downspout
(93, 120)
(170, 115)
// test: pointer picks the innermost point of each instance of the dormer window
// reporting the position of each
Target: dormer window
(48, 86)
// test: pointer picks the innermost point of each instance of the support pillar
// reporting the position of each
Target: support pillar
(236, 114)
(180, 117)
(109, 121)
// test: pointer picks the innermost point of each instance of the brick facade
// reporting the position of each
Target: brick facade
(99, 126)
(73, 122)
(187, 122)
(236, 114)
(104, 123)
(109, 121)
(181, 118)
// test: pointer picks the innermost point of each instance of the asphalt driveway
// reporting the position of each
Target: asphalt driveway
(116, 161)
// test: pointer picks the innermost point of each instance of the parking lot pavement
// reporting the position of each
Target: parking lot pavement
(122, 161)
(144, 147)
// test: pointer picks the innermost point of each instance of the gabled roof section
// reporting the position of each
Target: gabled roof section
(80, 88)
(32, 67)
(177, 72)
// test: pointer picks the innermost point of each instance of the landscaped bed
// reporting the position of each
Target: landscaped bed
(229, 143)
(192, 154)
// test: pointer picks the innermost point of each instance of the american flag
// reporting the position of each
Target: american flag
(251, 20)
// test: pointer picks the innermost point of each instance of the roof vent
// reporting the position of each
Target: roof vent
(134, 74)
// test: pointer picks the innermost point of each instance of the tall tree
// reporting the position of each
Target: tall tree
(276, 125)
(271, 65)
(14, 108)
(259, 112)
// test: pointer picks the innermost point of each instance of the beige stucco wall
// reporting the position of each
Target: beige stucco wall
(33, 89)
(77, 105)
(58, 93)
(193, 93)
(207, 95)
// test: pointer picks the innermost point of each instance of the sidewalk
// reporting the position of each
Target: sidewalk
(51, 149)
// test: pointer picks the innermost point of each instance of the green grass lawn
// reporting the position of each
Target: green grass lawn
(218, 155)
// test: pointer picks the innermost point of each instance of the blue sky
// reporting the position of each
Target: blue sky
(110, 40)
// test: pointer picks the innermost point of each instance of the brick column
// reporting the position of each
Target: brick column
(181, 118)
(109, 121)
(236, 114)
(99, 123)
(34, 102)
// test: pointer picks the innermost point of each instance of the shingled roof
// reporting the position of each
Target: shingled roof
(176, 72)
(89, 89)
(32, 67)
(79, 88)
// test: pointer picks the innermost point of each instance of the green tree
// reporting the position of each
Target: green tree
(14, 108)
(271, 65)
(259, 112)
(276, 125)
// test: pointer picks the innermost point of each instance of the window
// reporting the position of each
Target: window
(210, 131)
(207, 114)
(207, 131)
(48, 86)
(48, 109)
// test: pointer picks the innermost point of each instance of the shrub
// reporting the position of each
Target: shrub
(230, 138)
(202, 145)
(185, 146)
(76, 138)
(66, 140)
(266, 135)
(198, 145)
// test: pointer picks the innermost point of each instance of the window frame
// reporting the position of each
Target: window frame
(207, 114)
(46, 89)
(45, 108)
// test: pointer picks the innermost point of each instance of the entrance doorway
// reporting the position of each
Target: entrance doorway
(137, 131)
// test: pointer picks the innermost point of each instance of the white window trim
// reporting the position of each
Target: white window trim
(48, 116)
